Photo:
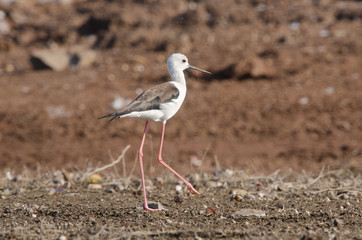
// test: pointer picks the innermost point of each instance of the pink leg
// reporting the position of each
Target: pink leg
(191, 188)
(140, 156)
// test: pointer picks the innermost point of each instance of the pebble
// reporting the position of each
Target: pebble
(343, 196)
(213, 184)
(211, 211)
(159, 180)
(246, 212)
(110, 190)
(303, 100)
(261, 194)
(157, 205)
(329, 90)
(337, 222)
(279, 206)
(324, 33)
(237, 198)
(59, 59)
(95, 178)
(353, 194)
(178, 199)
(238, 192)
(57, 111)
(9, 68)
(55, 191)
(249, 196)
(294, 26)
(95, 186)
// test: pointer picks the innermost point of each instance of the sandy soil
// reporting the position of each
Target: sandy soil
(285, 94)
(233, 205)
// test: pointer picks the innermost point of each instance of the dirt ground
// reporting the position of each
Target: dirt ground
(232, 205)
(285, 95)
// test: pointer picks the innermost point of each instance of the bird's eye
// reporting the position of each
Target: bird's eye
(184, 60)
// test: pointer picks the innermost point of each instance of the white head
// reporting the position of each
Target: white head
(179, 62)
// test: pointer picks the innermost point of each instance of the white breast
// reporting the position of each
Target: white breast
(166, 111)
(170, 108)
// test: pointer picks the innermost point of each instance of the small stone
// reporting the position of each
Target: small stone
(195, 161)
(213, 184)
(59, 59)
(259, 68)
(211, 211)
(255, 67)
(279, 206)
(9, 68)
(57, 111)
(157, 181)
(237, 198)
(95, 178)
(157, 205)
(261, 195)
(337, 222)
(329, 90)
(246, 212)
(178, 199)
(110, 190)
(324, 33)
(343, 196)
(95, 186)
(294, 26)
(303, 100)
(178, 188)
(56, 59)
(55, 191)
(353, 194)
(240, 192)
(249, 196)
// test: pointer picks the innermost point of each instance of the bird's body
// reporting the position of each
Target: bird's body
(160, 103)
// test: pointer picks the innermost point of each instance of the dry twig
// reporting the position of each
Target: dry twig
(99, 169)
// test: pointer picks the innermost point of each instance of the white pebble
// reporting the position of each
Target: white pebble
(294, 26)
(304, 100)
(329, 90)
(323, 33)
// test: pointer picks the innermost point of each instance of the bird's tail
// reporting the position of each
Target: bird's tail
(113, 115)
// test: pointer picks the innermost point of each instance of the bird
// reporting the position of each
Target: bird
(159, 104)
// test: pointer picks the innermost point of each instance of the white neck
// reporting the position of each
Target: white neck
(177, 76)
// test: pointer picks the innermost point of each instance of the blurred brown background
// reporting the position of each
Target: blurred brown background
(286, 90)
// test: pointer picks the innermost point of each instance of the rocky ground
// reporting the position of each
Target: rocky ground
(232, 205)
(285, 94)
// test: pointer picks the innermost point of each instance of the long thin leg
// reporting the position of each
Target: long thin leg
(140, 156)
(191, 188)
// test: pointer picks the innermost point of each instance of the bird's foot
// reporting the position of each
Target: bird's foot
(193, 190)
(151, 207)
